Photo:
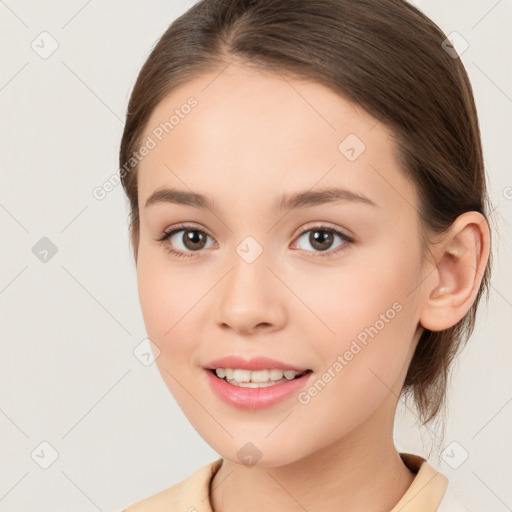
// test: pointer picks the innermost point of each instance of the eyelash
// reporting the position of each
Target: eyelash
(319, 254)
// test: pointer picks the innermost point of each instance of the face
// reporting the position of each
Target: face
(269, 267)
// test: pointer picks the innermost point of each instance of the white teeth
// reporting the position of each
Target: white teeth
(241, 375)
(260, 378)
(255, 384)
(276, 374)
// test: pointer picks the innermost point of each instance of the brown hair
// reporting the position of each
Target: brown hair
(383, 55)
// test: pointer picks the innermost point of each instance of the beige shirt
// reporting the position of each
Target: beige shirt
(425, 494)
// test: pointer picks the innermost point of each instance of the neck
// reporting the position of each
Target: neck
(361, 471)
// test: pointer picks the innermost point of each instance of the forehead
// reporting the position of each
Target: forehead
(264, 133)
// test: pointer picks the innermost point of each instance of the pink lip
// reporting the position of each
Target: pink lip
(254, 398)
(256, 363)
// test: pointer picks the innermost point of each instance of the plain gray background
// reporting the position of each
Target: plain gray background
(70, 324)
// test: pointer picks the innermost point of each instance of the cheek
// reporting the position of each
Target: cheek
(368, 317)
(164, 301)
(345, 301)
(171, 297)
(165, 292)
(363, 367)
(155, 296)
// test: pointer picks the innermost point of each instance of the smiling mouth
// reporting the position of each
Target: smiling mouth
(257, 379)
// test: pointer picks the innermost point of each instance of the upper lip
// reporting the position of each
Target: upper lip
(254, 363)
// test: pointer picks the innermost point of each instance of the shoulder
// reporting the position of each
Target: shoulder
(192, 494)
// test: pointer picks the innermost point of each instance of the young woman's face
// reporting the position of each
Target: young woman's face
(262, 271)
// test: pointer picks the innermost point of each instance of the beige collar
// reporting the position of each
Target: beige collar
(424, 494)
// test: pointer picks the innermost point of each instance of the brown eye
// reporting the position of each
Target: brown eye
(322, 238)
(184, 241)
(193, 239)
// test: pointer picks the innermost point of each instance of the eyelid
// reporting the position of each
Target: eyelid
(348, 240)
(324, 224)
(184, 226)
(303, 229)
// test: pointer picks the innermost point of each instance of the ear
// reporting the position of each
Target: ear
(461, 259)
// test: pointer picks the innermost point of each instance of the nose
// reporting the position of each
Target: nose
(252, 298)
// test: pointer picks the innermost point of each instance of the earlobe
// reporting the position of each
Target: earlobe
(461, 260)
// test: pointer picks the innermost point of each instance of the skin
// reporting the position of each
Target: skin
(253, 137)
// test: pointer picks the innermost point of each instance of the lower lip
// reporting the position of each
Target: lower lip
(254, 398)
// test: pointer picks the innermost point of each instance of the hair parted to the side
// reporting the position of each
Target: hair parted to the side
(383, 55)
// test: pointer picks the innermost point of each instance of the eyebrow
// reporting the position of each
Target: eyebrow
(297, 200)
